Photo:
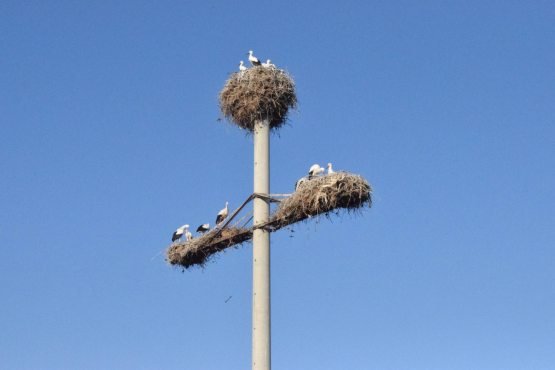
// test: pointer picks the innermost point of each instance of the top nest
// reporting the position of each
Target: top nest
(257, 94)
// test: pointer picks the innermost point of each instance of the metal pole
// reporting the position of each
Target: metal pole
(261, 359)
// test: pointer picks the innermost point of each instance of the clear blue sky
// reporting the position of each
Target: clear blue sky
(109, 141)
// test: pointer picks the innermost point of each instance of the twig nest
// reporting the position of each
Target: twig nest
(257, 94)
(319, 196)
(322, 195)
(199, 250)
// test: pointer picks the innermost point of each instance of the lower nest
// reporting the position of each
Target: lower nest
(198, 250)
(322, 195)
(319, 196)
(258, 94)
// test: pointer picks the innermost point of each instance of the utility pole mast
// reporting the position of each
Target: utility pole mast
(261, 345)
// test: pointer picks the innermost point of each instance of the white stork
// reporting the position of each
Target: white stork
(268, 64)
(315, 170)
(179, 232)
(330, 169)
(222, 214)
(203, 228)
(188, 235)
(254, 60)
(242, 66)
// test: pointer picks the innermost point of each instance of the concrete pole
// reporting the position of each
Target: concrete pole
(261, 359)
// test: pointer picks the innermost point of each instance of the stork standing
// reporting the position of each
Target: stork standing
(203, 228)
(222, 214)
(242, 67)
(254, 60)
(315, 170)
(330, 169)
(188, 235)
(179, 232)
(268, 64)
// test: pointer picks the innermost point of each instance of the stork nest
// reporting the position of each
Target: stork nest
(319, 196)
(198, 250)
(258, 94)
(322, 195)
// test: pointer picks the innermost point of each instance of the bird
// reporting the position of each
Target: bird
(315, 170)
(188, 235)
(242, 66)
(254, 60)
(300, 183)
(330, 169)
(222, 214)
(268, 64)
(179, 232)
(203, 228)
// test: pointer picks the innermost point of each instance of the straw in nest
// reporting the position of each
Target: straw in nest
(257, 94)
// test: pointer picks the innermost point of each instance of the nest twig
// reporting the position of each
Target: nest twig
(257, 94)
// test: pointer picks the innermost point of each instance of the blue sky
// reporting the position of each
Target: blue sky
(109, 140)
